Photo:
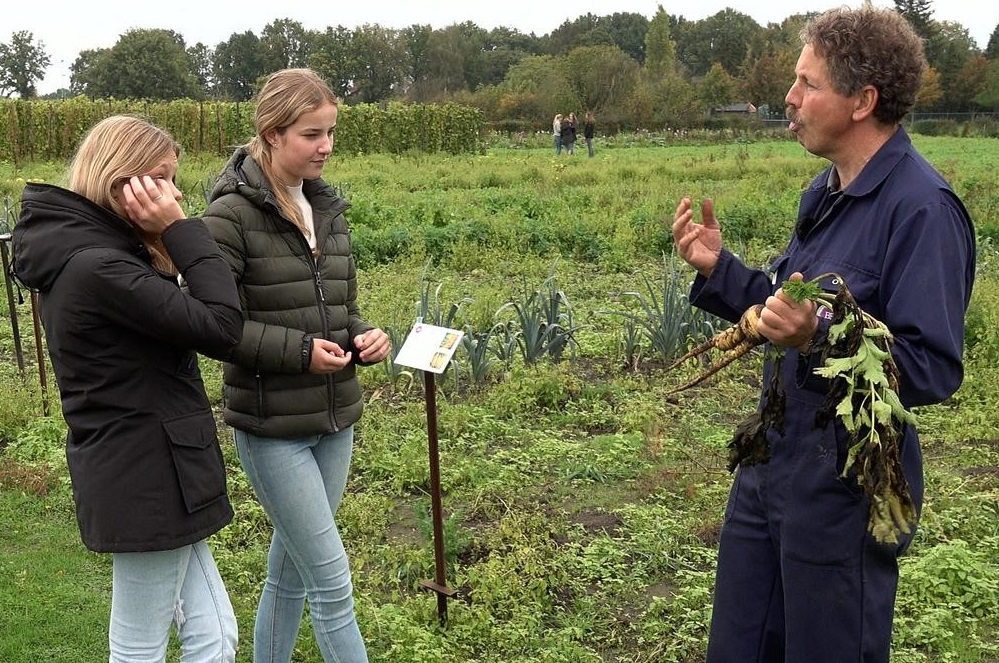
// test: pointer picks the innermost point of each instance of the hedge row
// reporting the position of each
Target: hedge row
(39, 130)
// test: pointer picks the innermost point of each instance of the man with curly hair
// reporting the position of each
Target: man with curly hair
(800, 578)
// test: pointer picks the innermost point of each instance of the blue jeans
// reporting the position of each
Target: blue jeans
(299, 482)
(153, 590)
(558, 145)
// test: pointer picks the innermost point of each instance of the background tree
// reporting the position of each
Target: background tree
(500, 50)
(416, 41)
(768, 70)
(23, 62)
(285, 43)
(85, 71)
(201, 58)
(143, 64)
(988, 97)
(766, 80)
(332, 58)
(929, 92)
(971, 80)
(573, 33)
(378, 63)
(660, 104)
(953, 48)
(717, 88)
(445, 64)
(239, 63)
(598, 75)
(627, 31)
(992, 49)
(919, 14)
(468, 43)
(660, 49)
(723, 38)
(535, 89)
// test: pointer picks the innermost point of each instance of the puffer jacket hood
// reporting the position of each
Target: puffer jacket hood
(56, 224)
(242, 176)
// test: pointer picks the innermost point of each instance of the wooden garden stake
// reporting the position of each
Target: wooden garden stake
(40, 354)
(11, 307)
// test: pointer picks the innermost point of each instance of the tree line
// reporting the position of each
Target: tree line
(663, 71)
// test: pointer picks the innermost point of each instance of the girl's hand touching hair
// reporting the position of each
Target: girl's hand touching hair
(152, 204)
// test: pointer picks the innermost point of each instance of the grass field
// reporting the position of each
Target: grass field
(582, 503)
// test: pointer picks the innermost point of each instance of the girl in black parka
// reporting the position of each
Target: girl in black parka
(148, 476)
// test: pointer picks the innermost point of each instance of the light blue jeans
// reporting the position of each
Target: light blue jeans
(151, 591)
(300, 482)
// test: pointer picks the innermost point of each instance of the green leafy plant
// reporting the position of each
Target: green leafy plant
(631, 344)
(544, 323)
(663, 315)
(480, 359)
(431, 310)
(42, 440)
(948, 600)
(396, 373)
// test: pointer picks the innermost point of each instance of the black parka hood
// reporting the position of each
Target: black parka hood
(55, 224)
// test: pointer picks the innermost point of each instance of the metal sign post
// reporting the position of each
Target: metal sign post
(429, 348)
(439, 584)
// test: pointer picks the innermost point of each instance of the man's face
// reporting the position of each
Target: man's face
(819, 114)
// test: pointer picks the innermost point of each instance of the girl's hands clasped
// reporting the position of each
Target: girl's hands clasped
(328, 357)
(372, 346)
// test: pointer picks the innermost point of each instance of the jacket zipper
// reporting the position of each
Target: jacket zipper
(322, 312)
(260, 396)
(314, 264)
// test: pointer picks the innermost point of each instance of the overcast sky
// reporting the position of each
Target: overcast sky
(66, 27)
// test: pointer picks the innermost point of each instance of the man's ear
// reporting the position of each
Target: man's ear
(866, 102)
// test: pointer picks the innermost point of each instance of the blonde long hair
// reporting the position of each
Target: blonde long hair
(115, 149)
(285, 96)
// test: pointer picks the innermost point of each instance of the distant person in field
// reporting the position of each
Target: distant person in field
(292, 393)
(557, 133)
(568, 133)
(800, 578)
(589, 124)
(148, 476)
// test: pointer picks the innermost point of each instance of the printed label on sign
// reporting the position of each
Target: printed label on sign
(429, 347)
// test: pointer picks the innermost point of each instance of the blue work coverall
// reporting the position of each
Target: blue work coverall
(799, 578)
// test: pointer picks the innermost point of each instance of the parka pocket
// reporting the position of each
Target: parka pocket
(197, 458)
